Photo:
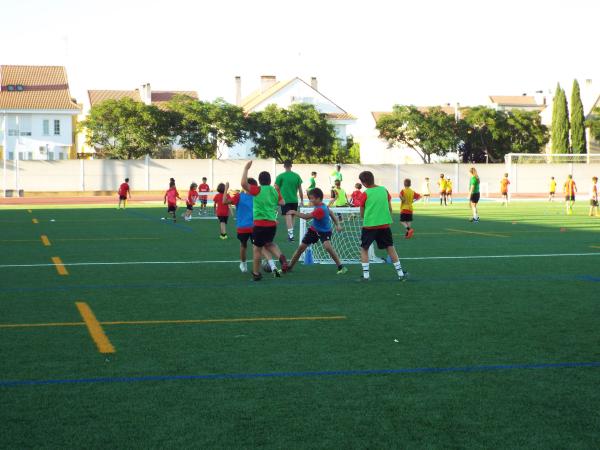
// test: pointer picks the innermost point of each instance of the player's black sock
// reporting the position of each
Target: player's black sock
(340, 267)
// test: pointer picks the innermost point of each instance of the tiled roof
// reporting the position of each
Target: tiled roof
(514, 100)
(257, 97)
(44, 87)
(97, 97)
(162, 98)
(340, 116)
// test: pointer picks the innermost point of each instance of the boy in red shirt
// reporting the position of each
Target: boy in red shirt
(356, 195)
(170, 199)
(190, 201)
(222, 209)
(203, 188)
(123, 193)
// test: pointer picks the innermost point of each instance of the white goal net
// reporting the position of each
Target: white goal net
(207, 210)
(346, 242)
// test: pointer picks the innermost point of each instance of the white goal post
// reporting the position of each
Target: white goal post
(203, 213)
(346, 243)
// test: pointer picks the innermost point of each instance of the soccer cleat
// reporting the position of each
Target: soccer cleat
(243, 267)
(291, 239)
(256, 277)
(364, 280)
(404, 276)
(277, 273)
(342, 271)
(223, 237)
(284, 263)
(410, 233)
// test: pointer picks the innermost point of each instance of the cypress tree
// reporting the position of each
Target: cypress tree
(578, 141)
(560, 122)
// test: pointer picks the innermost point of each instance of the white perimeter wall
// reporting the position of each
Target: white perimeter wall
(154, 174)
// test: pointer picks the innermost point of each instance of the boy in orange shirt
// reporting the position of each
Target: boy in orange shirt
(407, 198)
(504, 189)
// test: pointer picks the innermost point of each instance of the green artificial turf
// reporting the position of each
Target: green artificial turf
(466, 313)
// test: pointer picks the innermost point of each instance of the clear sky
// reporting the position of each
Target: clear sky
(367, 55)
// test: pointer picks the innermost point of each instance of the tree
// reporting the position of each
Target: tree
(526, 134)
(485, 135)
(126, 129)
(594, 124)
(203, 127)
(578, 140)
(427, 133)
(560, 122)
(300, 133)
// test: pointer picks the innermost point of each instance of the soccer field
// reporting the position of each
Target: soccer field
(121, 330)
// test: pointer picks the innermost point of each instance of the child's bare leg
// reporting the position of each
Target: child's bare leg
(327, 246)
(297, 255)
(256, 252)
(391, 250)
(223, 228)
(243, 251)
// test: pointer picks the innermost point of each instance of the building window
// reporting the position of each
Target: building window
(25, 133)
(46, 127)
(29, 155)
(61, 155)
(50, 156)
(13, 132)
(57, 128)
(11, 155)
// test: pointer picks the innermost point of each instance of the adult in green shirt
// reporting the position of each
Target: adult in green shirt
(312, 183)
(336, 175)
(474, 193)
(289, 184)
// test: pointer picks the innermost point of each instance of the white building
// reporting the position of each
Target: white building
(284, 94)
(523, 102)
(37, 113)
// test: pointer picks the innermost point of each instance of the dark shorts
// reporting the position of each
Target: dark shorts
(504, 192)
(262, 236)
(406, 217)
(448, 192)
(443, 194)
(475, 198)
(552, 192)
(189, 207)
(382, 236)
(171, 208)
(289, 207)
(426, 195)
(593, 202)
(203, 201)
(223, 219)
(243, 238)
(122, 197)
(570, 198)
(313, 236)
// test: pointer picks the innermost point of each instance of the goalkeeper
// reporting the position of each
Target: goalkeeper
(320, 229)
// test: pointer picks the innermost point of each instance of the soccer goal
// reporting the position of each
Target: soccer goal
(346, 243)
(209, 211)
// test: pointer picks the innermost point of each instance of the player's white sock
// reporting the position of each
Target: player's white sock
(398, 268)
(272, 265)
(365, 268)
(291, 232)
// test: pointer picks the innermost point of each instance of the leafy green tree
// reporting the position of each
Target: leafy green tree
(204, 127)
(485, 135)
(300, 133)
(126, 129)
(427, 133)
(594, 124)
(578, 139)
(526, 134)
(560, 122)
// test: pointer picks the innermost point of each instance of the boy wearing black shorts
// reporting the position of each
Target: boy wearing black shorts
(376, 212)
(264, 211)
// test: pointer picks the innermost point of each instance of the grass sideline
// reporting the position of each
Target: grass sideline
(472, 352)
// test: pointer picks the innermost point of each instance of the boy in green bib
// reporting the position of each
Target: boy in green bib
(264, 209)
(376, 212)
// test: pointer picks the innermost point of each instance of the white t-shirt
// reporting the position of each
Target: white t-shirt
(594, 195)
(425, 188)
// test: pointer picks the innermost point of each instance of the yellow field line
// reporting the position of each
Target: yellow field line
(34, 220)
(479, 233)
(60, 268)
(166, 322)
(45, 240)
(594, 246)
(95, 329)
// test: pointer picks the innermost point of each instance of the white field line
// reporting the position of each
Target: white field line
(413, 258)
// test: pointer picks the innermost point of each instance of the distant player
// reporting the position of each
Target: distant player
(376, 211)
(289, 184)
(570, 189)
(312, 182)
(407, 198)
(449, 190)
(336, 175)
(203, 198)
(320, 230)
(243, 202)
(190, 201)
(426, 190)
(124, 193)
(594, 197)
(222, 208)
(474, 194)
(171, 197)
(552, 189)
(442, 189)
(264, 210)
(340, 199)
(356, 195)
(504, 182)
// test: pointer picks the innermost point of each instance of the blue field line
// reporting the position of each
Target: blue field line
(308, 374)
(288, 281)
(153, 218)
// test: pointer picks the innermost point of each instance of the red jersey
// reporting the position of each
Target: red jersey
(355, 198)
(172, 195)
(221, 208)
(203, 188)
(192, 197)
(123, 189)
